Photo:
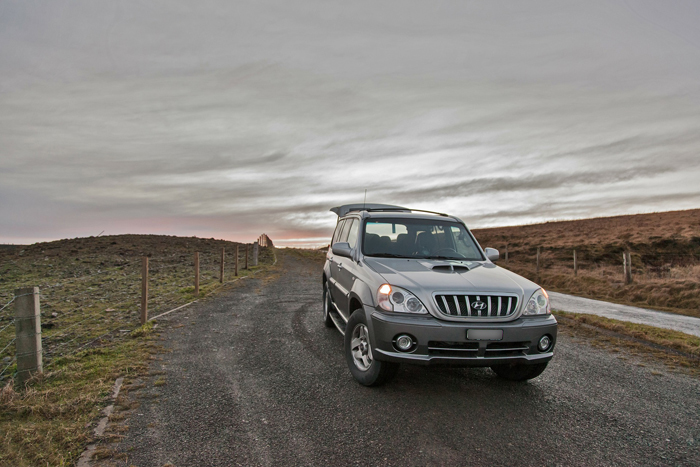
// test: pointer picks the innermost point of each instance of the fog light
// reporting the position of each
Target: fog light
(404, 342)
(545, 343)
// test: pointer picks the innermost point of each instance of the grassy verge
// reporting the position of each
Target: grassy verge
(90, 333)
(677, 350)
(317, 256)
(47, 424)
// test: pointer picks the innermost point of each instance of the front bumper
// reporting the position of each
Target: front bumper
(443, 342)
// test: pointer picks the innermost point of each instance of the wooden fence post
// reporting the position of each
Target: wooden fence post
(27, 333)
(196, 273)
(538, 264)
(627, 266)
(235, 263)
(221, 274)
(246, 256)
(575, 264)
(144, 289)
(255, 253)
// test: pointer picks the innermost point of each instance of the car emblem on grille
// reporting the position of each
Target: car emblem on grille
(479, 305)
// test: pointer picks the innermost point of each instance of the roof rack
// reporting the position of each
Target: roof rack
(346, 208)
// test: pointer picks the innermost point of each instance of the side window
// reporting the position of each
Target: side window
(336, 234)
(344, 235)
(352, 235)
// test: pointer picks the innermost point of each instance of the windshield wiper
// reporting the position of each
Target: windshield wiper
(387, 255)
(462, 258)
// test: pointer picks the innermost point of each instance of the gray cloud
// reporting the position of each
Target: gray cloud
(232, 118)
(539, 182)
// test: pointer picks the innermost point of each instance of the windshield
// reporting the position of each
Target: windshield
(419, 238)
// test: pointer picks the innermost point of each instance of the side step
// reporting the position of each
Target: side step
(338, 319)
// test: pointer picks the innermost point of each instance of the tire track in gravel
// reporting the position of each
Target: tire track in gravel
(309, 340)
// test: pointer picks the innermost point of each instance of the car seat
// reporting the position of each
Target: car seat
(426, 243)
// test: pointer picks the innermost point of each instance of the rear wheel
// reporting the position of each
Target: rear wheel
(358, 353)
(519, 372)
(327, 306)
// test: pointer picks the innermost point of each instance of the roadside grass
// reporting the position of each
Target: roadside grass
(47, 423)
(318, 256)
(90, 295)
(677, 350)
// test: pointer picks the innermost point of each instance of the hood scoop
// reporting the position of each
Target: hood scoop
(450, 268)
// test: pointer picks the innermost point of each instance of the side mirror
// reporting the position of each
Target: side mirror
(492, 254)
(342, 249)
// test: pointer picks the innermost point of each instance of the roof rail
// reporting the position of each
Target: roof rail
(407, 210)
(431, 212)
(346, 208)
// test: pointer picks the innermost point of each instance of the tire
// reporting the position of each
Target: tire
(358, 353)
(327, 307)
(519, 372)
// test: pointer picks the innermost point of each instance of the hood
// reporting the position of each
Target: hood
(424, 277)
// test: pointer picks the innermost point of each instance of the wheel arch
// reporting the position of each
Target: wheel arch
(354, 302)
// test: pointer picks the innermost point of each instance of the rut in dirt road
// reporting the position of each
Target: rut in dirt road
(254, 378)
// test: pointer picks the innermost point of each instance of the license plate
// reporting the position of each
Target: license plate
(485, 334)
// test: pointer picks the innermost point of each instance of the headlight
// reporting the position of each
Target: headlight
(538, 304)
(391, 298)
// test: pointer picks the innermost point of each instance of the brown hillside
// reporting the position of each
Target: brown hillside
(638, 228)
(665, 249)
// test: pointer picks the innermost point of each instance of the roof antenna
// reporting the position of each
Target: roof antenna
(364, 203)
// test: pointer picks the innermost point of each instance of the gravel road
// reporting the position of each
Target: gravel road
(254, 378)
(660, 319)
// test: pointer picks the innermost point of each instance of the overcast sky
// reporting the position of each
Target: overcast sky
(231, 118)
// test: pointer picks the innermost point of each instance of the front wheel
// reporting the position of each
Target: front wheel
(358, 353)
(519, 371)
(327, 304)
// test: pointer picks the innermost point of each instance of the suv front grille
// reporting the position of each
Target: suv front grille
(485, 306)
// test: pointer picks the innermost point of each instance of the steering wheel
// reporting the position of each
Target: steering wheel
(446, 250)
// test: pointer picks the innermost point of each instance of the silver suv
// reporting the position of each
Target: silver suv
(409, 286)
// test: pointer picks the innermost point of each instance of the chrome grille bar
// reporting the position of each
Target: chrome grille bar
(447, 308)
(496, 305)
(459, 309)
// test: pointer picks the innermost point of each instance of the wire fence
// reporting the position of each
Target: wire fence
(644, 264)
(80, 311)
(7, 305)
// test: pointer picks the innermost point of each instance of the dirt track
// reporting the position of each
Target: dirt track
(254, 378)
(660, 319)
